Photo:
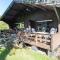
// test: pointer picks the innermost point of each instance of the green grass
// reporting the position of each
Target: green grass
(21, 54)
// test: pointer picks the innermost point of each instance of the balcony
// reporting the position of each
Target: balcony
(30, 1)
(47, 2)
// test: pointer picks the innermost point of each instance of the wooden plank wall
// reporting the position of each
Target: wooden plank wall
(56, 41)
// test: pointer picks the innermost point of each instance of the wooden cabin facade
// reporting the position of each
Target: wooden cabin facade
(38, 16)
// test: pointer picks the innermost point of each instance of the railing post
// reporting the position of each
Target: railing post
(58, 18)
(51, 52)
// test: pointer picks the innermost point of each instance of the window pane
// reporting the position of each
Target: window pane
(45, 0)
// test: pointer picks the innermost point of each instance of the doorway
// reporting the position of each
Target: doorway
(32, 24)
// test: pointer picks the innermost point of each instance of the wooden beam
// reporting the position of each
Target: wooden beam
(43, 7)
(56, 12)
(41, 45)
(58, 18)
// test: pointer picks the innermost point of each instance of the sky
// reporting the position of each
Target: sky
(4, 5)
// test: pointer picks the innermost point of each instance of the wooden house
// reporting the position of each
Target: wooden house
(38, 16)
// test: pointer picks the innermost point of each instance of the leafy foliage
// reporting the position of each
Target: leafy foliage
(7, 39)
(22, 54)
(3, 25)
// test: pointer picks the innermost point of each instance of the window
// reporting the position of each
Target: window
(45, 0)
(41, 0)
(53, 1)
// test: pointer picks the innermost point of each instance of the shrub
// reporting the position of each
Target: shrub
(3, 25)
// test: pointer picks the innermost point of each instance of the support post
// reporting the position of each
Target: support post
(56, 12)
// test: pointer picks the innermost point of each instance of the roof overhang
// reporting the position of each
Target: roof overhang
(12, 12)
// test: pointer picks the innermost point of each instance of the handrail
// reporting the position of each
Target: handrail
(29, 1)
(36, 1)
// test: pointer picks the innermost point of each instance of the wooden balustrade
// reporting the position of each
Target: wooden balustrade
(38, 39)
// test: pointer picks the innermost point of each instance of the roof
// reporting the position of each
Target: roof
(14, 9)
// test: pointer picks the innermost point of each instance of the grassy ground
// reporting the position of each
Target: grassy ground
(21, 54)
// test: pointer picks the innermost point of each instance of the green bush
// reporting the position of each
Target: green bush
(3, 26)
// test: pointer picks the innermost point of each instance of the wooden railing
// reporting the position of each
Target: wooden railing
(38, 39)
(29, 1)
(37, 2)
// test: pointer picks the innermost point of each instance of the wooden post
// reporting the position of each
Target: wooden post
(56, 12)
(36, 38)
(58, 18)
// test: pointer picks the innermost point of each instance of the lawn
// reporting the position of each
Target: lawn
(21, 54)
